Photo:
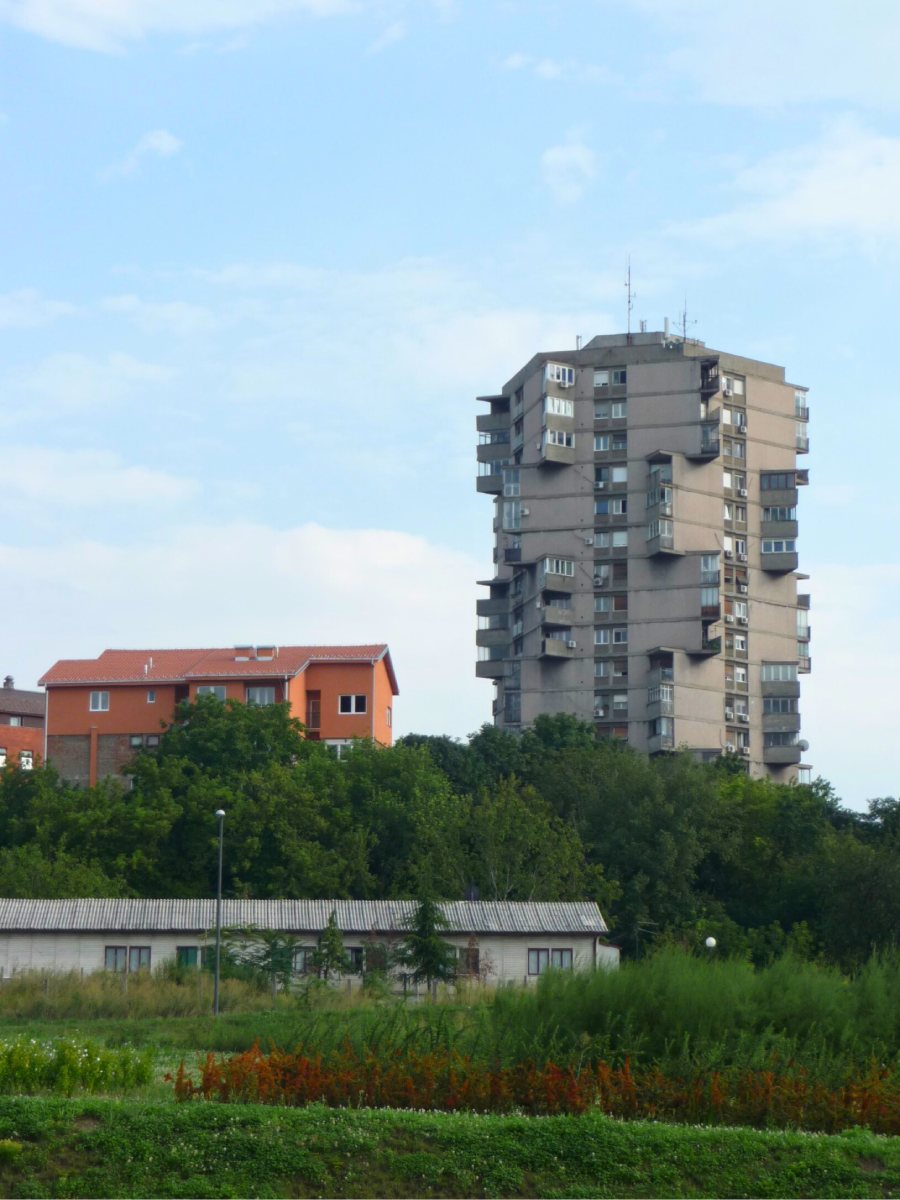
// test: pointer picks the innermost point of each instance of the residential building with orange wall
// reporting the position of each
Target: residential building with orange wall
(102, 711)
(21, 726)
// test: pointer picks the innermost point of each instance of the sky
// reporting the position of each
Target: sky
(257, 258)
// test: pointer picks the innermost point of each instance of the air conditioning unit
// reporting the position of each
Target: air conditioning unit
(729, 714)
(589, 540)
(600, 485)
(538, 445)
(744, 718)
(729, 747)
(742, 558)
(745, 750)
(726, 390)
(524, 512)
(599, 712)
(729, 554)
(729, 619)
(742, 587)
(742, 492)
(539, 603)
(742, 620)
(573, 645)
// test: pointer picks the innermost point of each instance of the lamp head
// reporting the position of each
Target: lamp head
(220, 813)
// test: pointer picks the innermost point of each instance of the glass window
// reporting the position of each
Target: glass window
(351, 705)
(561, 959)
(538, 961)
(602, 604)
(619, 474)
(356, 958)
(138, 958)
(774, 672)
(187, 956)
(779, 545)
(260, 695)
(620, 635)
(601, 442)
(601, 636)
(26, 760)
(559, 406)
(2, 756)
(216, 690)
(151, 696)
(115, 958)
(618, 410)
(99, 702)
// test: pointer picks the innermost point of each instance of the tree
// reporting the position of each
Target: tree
(266, 951)
(422, 949)
(329, 954)
(29, 874)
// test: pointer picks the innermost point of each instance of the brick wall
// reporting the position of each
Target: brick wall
(70, 754)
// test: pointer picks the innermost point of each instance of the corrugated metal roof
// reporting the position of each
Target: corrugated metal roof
(297, 916)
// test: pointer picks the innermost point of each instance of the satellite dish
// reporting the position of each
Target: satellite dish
(803, 745)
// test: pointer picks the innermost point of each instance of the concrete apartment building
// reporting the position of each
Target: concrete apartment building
(102, 711)
(645, 515)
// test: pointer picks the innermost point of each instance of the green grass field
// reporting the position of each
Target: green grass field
(102, 1148)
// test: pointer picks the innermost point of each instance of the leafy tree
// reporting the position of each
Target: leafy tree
(422, 948)
(27, 873)
(330, 955)
(268, 952)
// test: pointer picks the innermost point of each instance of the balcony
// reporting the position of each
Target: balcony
(558, 614)
(512, 554)
(553, 455)
(493, 606)
(553, 647)
(779, 529)
(490, 668)
(706, 647)
(804, 666)
(781, 722)
(709, 445)
(779, 564)
(492, 637)
(802, 443)
(492, 421)
(661, 743)
(493, 450)
(553, 582)
(491, 483)
(781, 756)
(660, 700)
(780, 687)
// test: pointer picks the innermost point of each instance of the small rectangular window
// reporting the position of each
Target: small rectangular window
(212, 689)
(561, 960)
(151, 696)
(304, 962)
(2, 756)
(187, 956)
(538, 961)
(138, 958)
(356, 959)
(99, 702)
(26, 760)
(260, 696)
(351, 705)
(115, 958)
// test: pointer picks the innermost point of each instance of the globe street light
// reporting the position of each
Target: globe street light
(710, 943)
(220, 817)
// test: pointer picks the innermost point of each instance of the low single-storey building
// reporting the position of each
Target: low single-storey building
(496, 941)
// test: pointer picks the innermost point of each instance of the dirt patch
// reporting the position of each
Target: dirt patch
(871, 1165)
(86, 1124)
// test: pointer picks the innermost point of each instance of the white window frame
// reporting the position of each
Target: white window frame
(213, 689)
(99, 702)
(352, 709)
(253, 700)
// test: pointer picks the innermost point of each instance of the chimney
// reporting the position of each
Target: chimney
(9, 682)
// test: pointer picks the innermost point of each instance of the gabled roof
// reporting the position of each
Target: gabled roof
(295, 916)
(177, 666)
(16, 702)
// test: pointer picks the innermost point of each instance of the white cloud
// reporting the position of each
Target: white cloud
(567, 169)
(27, 309)
(158, 143)
(310, 584)
(76, 383)
(172, 316)
(552, 69)
(767, 53)
(82, 479)
(108, 27)
(394, 33)
(843, 185)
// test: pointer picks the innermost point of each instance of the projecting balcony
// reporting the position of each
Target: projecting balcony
(781, 722)
(492, 421)
(552, 647)
(802, 444)
(492, 637)
(493, 606)
(557, 614)
(779, 563)
(706, 647)
(663, 545)
(708, 445)
(779, 529)
(660, 701)
(804, 665)
(556, 456)
(781, 687)
(661, 743)
(491, 451)
(512, 554)
(781, 756)
(490, 668)
(491, 483)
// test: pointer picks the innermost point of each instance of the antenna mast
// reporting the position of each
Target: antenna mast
(685, 323)
(630, 294)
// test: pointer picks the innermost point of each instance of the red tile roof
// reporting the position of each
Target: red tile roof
(173, 666)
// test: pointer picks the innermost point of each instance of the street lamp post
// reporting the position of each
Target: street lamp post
(220, 816)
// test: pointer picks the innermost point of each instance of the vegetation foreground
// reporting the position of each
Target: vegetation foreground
(51, 1147)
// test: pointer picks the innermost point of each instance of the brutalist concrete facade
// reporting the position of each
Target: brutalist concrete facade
(645, 514)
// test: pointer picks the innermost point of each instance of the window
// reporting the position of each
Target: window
(732, 384)
(779, 546)
(2, 756)
(215, 690)
(15, 721)
(616, 377)
(728, 511)
(260, 695)
(709, 568)
(777, 481)
(660, 529)
(779, 705)
(26, 760)
(740, 674)
(561, 960)
(512, 514)
(151, 696)
(619, 441)
(538, 961)
(557, 373)
(512, 708)
(773, 672)
(619, 474)
(620, 668)
(136, 741)
(618, 410)
(115, 958)
(601, 442)
(709, 597)
(740, 609)
(511, 481)
(779, 739)
(187, 956)
(559, 437)
(601, 636)
(601, 669)
(388, 716)
(620, 635)
(351, 705)
(356, 959)
(138, 958)
(468, 960)
(616, 506)
(152, 739)
(602, 604)
(559, 566)
(99, 702)
(780, 512)
(557, 406)
(620, 702)
(601, 410)
(740, 643)
(304, 962)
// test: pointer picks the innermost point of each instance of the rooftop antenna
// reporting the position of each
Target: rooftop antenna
(685, 323)
(630, 294)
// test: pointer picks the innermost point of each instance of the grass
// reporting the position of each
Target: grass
(103, 1148)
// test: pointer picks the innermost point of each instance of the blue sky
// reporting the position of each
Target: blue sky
(259, 256)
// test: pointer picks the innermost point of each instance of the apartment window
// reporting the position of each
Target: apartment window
(511, 481)
(663, 529)
(557, 373)
(559, 437)
(740, 643)
(260, 696)
(728, 511)
(514, 675)
(620, 702)
(619, 474)
(601, 410)
(616, 377)
(619, 441)
(351, 705)
(26, 760)
(494, 438)
(779, 672)
(138, 958)
(620, 635)
(620, 602)
(115, 958)
(780, 512)
(519, 398)
(187, 956)
(512, 514)
(777, 481)
(602, 604)
(740, 609)
(601, 442)
(802, 623)
(620, 668)
(779, 739)
(709, 568)
(558, 406)
(616, 506)
(512, 707)
(733, 384)
(740, 674)
(602, 669)
(779, 545)
(151, 696)
(559, 566)
(99, 702)
(602, 636)
(779, 705)
(709, 597)
(216, 690)
(619, 410)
